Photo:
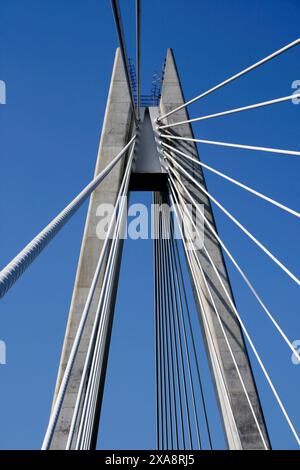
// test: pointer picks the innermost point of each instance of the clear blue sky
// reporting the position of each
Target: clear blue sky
(56, 58)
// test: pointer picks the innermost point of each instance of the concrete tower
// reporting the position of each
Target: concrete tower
(239, 426)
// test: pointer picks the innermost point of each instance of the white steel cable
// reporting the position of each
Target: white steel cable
(157, 313)
(241, 226)
(11, 273)
(87, 417)
(185, 341)
(170, 313)
(239, 269)
(183, 301)
(234, 77)
(216, 360)
(103, 299)
(90, 398)
(291, 426)
(86, 423)
(88, 356)
(231, 145)
(224, 332)
(94, 380)
(162, 304)
(233, 111)
(86, 365)
(178, 308)
(66, 376)
(234, 181)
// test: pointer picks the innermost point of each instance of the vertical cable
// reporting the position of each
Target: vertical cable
(216, 359)
(168, 409)
(156, 314)
(185, 389)
(162, 344)
(178, 268)
(158, 363)
(171, 339)
(186, 348)
(179, 384)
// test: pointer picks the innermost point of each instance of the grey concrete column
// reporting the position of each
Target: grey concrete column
(239, 425)
(116, 132)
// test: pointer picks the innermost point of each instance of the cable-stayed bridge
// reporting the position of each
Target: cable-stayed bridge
(153, 148)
